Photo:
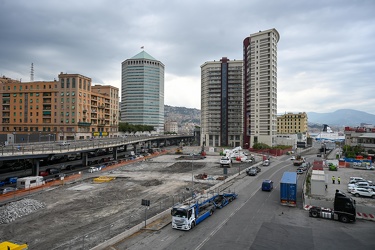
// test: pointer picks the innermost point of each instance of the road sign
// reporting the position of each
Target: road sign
(145, 203)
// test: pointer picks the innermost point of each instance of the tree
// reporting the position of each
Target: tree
(260, 145)
(131, 128)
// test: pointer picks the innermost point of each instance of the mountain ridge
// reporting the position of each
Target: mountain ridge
(338, 118)
(341, 117)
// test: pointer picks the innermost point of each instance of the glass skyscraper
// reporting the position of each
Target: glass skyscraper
(142, 91)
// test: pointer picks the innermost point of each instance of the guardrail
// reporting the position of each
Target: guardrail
(22, 150)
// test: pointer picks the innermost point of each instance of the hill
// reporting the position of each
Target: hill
(341, 117)
(182, 115)
(338, 118)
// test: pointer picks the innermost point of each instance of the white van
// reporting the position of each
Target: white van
(30, 182)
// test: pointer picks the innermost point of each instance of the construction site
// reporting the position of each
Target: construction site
(83, 213)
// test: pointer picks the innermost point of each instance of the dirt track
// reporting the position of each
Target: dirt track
(81, 214)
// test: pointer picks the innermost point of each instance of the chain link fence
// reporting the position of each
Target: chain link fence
(94, 238)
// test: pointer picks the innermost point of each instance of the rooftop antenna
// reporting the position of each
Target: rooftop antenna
(32, 72)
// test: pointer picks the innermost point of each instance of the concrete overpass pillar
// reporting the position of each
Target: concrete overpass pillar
(35, 168)
(114, 153)
(84, 159)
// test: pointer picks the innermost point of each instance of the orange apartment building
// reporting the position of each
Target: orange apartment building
(67, 109)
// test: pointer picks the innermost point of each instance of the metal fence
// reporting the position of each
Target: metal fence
(95, 237)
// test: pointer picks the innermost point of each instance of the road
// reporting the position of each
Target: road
(256, 220)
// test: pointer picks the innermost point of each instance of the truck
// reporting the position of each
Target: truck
(332, 167)
(288, 189)
(298, 161)
(344, 209)
(186, 216)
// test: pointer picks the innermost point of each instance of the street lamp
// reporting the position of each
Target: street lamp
(192, 176)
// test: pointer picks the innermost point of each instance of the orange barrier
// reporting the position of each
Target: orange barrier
(24, 192)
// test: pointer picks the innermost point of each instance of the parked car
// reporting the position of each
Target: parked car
(361, 184)
(257, 168)
(93, 169)
(93, 162)
(292, 158)
(251, 171)
(225, 161)
(6, 190)
(64, 143)
(266, 163)
(11, 180)
(49, 171)
(299, 171)
(356, 179)
(363, 192)
(370, 188)
(2, 183)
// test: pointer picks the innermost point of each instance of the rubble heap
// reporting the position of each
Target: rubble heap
(17, 209)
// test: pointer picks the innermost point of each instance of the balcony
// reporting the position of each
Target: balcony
(84, 124)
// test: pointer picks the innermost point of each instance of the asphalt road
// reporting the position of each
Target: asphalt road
(256, 220)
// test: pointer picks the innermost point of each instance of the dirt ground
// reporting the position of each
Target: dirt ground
(80, 215)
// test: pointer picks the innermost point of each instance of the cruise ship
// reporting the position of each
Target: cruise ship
(327, 134)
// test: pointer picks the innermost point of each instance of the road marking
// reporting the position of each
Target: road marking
(231, 215)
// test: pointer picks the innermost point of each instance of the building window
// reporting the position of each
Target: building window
(73, 83)
(62, 83)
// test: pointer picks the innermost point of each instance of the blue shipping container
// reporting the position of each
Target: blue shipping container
(288, 189)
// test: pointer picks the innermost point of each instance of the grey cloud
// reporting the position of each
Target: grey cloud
(323, 43)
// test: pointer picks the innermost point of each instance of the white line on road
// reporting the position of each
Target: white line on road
(231, 215)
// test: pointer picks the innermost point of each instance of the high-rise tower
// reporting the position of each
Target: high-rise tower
(221, 103)
(142, 91)
(260, 87)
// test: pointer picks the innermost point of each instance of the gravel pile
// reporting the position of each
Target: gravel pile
(14, 210)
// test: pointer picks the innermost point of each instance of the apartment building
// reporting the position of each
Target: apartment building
(142, 91)
(171, 127)
(292, 123)
(260, 87)
(52, 110)
(104, 109)
(222, 103)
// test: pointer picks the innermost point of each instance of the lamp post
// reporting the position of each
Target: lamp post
(192, 177)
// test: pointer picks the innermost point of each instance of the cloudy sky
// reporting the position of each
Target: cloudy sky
(326, 53)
